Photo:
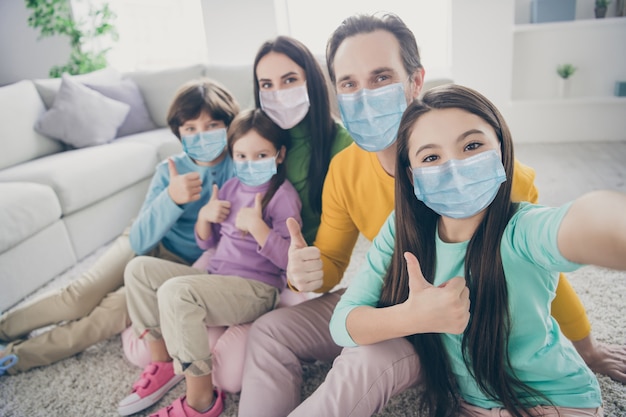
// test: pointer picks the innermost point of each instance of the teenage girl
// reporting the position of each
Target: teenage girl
(469, 276)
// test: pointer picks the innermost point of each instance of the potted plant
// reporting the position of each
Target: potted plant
(55, 17)
(600, 9)
(564, 71)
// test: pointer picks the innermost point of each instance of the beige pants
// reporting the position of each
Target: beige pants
(176, 302)
(468, 410)
(90, 309)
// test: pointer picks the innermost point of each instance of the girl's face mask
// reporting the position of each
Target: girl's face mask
(205, 146)
(460, 188)
(257, 172)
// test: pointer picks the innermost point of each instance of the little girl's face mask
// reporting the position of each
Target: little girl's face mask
(460, 188)
(257, 172)
(205, 146)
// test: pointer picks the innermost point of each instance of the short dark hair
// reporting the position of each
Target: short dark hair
(364, 23)
(194, 97)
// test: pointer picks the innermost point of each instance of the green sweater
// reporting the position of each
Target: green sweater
(298, 158)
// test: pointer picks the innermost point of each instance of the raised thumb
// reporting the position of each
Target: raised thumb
(417, 282)
(297, 240)
(258, 201)
(216, 189)
(172, 167)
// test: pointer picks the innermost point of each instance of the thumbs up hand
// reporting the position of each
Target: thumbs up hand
(304, 267)
(249, 216)
(215, 210)
(443, 309)
(183, 188)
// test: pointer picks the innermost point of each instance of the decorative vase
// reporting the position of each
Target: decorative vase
(600, 12)
(563, 87)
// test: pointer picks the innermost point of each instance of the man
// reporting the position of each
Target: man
(375, 66)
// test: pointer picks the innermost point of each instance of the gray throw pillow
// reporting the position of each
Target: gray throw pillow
(127, 91)
(82, 117)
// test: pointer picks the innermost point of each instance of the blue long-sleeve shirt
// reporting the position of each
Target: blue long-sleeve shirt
(162, 220)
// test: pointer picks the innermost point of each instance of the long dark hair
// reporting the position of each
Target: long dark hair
(320, 121)
(255, 119)
(485, 341)
(196, 96)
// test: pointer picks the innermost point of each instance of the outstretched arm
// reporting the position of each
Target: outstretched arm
(593, 230)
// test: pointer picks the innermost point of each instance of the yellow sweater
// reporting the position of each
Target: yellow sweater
(358, 196)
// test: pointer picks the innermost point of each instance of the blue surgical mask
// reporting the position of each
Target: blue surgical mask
(373, 116)
(257, 172)
(205, 146)
(286, 107)
(460, 188)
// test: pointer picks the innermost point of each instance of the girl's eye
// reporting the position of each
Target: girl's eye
(262, 156)
(472, 146)
(430, 158)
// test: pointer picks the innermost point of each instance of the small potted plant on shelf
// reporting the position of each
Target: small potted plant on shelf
(600, 9)
(565, 71)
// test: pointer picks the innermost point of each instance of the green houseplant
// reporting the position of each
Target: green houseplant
(54, 17)
(601, 6)
(566, 70)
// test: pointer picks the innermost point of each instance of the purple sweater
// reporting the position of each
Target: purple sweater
(239, 254)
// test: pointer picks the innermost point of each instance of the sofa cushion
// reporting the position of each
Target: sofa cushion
(127, 91)
(82, 177)
(163, 140)
(159, 87)
(30, 208)
(81, 116)
(21, 107)
(49, 87)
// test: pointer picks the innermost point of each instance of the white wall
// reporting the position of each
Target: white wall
(21, 54)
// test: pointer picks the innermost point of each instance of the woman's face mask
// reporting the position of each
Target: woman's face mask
(286, 107)
(205, 146)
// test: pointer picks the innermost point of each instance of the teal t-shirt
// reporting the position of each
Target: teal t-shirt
(542, 357)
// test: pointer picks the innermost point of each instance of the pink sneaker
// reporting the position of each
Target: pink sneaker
(180, 408)
(155, 381)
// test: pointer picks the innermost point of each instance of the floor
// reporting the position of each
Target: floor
(568, 170)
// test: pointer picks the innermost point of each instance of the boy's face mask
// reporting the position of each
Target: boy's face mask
(460, 188)
(205, 146)
(373, 116)
(286, 107)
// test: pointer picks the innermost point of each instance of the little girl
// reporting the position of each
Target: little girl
(244, 222)
(477, 304)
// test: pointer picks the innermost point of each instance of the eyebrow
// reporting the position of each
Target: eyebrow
(375, 72)
(460, 138)
(282, 77)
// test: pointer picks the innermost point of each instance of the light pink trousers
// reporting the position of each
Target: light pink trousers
(360, 382)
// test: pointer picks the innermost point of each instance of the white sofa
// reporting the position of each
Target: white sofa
(58, 204)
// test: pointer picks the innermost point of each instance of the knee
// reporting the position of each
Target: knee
(271, 325)
(172, 294)
(135, 271)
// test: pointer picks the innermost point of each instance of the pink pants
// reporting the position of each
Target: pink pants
(228, 345)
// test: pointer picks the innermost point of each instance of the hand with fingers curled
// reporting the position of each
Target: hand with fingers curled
(430, 309)
(215, 210)
(183, 188)
(248, 216)
(304, 268)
